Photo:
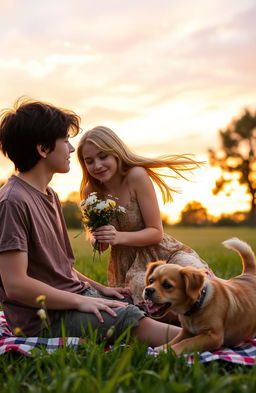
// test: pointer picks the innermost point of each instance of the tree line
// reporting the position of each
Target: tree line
(193, 214)
(236, 159)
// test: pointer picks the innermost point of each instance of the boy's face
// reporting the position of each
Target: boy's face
(58, 160)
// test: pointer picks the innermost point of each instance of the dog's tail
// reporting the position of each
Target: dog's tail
(246, 253)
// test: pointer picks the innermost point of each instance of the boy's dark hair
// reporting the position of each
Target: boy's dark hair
(33, 123)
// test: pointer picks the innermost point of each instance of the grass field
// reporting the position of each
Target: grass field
(129, 369)
(206, 241)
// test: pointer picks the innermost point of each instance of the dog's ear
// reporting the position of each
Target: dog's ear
(193, 280)
(151, 267)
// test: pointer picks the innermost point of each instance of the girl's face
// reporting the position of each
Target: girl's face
(99, 164)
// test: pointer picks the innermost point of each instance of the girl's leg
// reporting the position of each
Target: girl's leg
(154, 333)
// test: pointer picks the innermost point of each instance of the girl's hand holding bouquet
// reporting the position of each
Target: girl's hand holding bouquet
(98, 213)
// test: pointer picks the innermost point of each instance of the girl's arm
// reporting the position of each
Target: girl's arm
(142, 186)
(120, 293)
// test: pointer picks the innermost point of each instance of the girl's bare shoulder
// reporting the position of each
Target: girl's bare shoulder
(137, 173)
(138, 179)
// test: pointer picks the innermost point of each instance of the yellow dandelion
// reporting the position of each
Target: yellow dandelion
(17, 331)
(40, 299)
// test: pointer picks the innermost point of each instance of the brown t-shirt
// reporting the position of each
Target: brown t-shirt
(33, 222)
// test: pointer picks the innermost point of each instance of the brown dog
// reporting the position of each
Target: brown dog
(213, 312)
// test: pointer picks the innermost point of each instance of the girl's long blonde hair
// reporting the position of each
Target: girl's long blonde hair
(107, 141)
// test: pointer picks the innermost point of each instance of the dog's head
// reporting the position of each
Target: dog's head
(170, 287)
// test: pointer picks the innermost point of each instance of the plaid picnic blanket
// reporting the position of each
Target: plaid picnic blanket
(244, 354)
(24, 345)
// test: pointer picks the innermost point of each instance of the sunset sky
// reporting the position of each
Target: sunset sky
(164, 75)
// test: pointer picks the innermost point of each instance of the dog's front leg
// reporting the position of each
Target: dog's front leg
(183, 334)
(203, 342)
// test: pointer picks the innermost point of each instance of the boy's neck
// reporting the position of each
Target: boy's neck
(31, 177)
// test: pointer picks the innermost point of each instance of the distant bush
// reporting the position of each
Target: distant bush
(72, 214)
(233, 219)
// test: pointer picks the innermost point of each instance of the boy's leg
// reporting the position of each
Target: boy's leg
(145, 329)
(79, 324)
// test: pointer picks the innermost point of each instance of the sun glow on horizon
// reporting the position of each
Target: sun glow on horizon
(165, 76)
(198, 188)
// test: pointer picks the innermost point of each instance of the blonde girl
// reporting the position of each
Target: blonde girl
(136, 238)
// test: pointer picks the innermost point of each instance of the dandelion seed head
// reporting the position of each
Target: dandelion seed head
(110, 331)
(41, 313)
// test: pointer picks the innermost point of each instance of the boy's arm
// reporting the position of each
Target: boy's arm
(24, 289)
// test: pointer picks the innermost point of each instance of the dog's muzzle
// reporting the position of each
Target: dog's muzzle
(155, 310)
(149, 292)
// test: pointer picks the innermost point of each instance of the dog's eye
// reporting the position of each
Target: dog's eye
(166, 285)
(150, 281)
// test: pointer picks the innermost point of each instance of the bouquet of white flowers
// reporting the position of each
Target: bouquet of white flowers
(97, 212)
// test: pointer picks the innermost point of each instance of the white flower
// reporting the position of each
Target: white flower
(92, 198)
(97, 212)
(121, 209)
(101, 205)
(110, 202)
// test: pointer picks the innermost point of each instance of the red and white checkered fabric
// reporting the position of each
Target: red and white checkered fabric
(244, 354)
(24, 345)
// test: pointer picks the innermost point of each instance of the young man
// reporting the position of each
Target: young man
(35, 253)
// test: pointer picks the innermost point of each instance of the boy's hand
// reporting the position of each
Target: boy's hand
(95, 305)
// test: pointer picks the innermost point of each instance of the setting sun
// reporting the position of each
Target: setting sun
(164, 76)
